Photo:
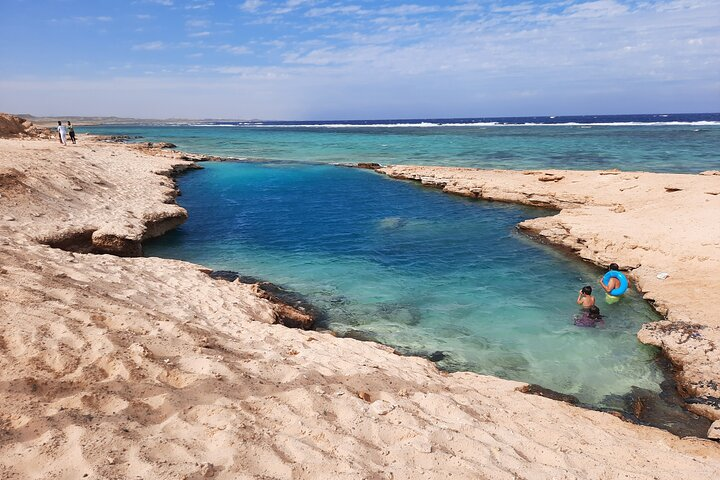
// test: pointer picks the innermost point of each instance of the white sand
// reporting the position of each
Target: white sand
(147, 368)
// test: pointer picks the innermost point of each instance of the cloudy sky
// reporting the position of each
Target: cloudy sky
(319, 59)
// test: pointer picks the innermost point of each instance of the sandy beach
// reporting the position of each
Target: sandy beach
(120, 366)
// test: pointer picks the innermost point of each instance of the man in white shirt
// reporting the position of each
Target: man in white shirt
(62, 132)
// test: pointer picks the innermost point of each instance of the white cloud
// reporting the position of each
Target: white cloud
(150, 46)
(251, 5)
(335, 10)
(196, 23)
(597, 9)
(199, 34)
(199, 5)
(403, 10)
(255, 73)
(90, 19)
(234, 49)
(426, 57)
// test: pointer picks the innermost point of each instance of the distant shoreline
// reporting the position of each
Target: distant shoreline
(644, 118)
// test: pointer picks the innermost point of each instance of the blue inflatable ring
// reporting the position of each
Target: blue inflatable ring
(616, 292)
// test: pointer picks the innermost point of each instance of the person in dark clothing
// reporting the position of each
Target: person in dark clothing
(71, 131)
(589, 318)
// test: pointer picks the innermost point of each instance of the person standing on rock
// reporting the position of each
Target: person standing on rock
(62, 133)
(71, 131)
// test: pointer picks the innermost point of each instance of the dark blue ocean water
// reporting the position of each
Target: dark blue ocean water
(416, 269)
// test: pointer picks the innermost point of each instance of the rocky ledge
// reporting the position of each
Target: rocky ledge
(664, 229)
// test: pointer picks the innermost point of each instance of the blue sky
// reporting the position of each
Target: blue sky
(318, 59)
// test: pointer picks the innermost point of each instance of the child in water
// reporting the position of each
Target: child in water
(589, 318)
(585, 298)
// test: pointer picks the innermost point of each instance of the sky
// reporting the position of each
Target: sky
(364, 59)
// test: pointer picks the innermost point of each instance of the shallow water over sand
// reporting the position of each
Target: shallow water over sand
(417, 269)
(654, 148)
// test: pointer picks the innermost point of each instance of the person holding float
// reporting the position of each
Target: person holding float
(614, 283)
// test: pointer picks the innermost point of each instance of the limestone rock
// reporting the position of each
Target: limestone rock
(159, 145)
(369, 165)
(285, 314)
(207, 470)
(381, 407)
(548, 177)
(122, 246)
(422, 444)
(714, 430)
(13, 126)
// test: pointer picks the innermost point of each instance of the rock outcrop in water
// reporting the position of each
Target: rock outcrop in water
(650, 224)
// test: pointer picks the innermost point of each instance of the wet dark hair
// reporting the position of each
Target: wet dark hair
(613, 266)
(587, 290)
(594, 312)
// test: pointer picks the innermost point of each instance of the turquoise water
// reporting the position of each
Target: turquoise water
(661, 148)
(416, 269)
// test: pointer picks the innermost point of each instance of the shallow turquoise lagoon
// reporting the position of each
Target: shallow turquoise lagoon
(655, 148)
(417, 269)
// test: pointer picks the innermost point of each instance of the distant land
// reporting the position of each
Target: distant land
(42, 121)
(51, 121)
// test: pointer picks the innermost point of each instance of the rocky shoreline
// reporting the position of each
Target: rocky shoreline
(117, 367)
(612, 216)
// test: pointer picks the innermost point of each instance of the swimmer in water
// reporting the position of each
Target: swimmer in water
(589, 318)
(612, 284)
(585, 298)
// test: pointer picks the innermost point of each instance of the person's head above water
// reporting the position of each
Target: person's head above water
(594, 311)
(613, 266)
(587, 290)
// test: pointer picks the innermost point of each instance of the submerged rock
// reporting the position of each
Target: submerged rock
(546, 392)
(436, 356)
(362, 335)
(392, 222)
(664, 411)
(118, 138)
(160, 145)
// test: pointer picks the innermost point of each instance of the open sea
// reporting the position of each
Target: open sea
(687, 143)
(428, 273)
